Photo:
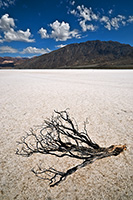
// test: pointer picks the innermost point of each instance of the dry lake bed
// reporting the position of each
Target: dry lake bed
(103, 97)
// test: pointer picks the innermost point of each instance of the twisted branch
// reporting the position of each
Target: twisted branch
(60, 136)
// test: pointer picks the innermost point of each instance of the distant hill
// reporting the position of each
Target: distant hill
(10, 62)
(90, 54)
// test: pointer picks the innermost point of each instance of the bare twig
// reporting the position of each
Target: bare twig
(60, 136)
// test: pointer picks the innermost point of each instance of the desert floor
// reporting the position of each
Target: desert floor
(104, 97)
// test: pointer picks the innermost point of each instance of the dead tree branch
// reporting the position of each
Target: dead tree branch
(60, 136)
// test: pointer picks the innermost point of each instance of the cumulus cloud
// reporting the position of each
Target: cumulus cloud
(7, 27)
(20, 35)
(7, 49)
(60, 31)
(6, 23)
(43, 33)
(28, 50)
(34, 50)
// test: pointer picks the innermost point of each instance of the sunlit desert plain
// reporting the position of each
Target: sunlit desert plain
(102, 97)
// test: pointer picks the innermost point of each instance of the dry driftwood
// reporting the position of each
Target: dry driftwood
(60, 136)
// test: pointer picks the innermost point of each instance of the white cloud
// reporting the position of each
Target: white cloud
(85, 15)
(43, 33)
(28, 50)
(117, 21)
(113, 23)
(20, 35)
(86, 27)
(61, 45)
(60, 31)
(7, 27)
(110, 11)
(72, 3)
(130, 19)
(107, 22)
(89, 20)
(6, 23)
(6, 3)
(34, 50)
(73, 12)
(7, 49)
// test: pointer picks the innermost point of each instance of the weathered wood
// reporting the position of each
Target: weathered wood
(60, 136)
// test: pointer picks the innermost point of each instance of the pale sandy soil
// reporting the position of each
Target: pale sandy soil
(104, 97)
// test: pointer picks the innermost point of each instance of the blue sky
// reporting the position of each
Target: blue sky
(34, 27)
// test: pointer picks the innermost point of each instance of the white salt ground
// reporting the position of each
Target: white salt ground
(105, 97)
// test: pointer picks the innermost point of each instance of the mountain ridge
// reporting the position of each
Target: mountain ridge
(91, 53)
(10, 62)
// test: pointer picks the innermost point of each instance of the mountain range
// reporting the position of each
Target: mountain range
(90, 54)
(11, 62)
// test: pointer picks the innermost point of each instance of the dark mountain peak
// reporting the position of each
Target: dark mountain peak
(97, 53)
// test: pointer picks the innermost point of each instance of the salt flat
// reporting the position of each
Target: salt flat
(104, 97)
